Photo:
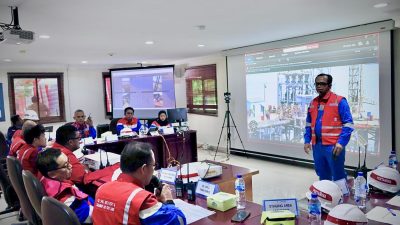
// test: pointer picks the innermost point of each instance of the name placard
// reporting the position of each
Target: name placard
(281, 204)
(205, 189)
(168, 176)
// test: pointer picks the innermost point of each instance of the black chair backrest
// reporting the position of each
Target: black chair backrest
(150, 121)
(113, 125)
(15, 174)
(9, 193)
(101, 128)
(3, 146)
(57, 213)
(34, 189)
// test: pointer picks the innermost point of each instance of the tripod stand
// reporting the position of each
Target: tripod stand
(227, 118)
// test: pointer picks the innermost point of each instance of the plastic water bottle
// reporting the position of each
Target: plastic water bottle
(360, 194)
(314, 210)
(393, 160)
(143, 130)
(240, 190)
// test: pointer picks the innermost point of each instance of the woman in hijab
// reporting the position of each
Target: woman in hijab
(161, 121)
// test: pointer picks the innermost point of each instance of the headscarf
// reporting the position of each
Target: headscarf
(160, 122)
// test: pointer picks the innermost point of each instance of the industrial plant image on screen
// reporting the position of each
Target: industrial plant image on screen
(279, 89)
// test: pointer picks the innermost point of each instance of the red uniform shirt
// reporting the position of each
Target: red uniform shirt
(27, 155)
(16, 143)
(119, 202)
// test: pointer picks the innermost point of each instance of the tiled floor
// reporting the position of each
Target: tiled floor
(275, 180)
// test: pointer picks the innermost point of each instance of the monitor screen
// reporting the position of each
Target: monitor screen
(177, 115)
(146, 89)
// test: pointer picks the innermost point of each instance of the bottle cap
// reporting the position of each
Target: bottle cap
(360, 173)
(238, 175)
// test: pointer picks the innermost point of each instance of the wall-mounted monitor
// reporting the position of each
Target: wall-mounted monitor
(146, 89)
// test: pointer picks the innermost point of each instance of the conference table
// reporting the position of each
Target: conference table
(182, 147)
(255, 210)
(226, 181)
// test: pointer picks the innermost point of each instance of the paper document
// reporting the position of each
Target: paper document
(395, 201)
(192, 212)
(384, 215)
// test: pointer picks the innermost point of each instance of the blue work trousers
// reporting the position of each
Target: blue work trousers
(326, 166)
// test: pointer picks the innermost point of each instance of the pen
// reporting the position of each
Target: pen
(391, 211)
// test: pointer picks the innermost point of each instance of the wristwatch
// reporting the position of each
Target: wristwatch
(168, 202)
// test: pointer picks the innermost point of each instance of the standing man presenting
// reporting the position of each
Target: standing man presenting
(328, 128)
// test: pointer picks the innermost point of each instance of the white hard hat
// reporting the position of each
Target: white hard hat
(346, 214)
(329, 193)
(31, 115)
(385, 179)
(126, 131)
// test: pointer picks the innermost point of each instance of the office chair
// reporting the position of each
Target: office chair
(34, 190)
(55, 212)
(3, 148)
(113, 125)
(15, 174)
(101, 128)
(8, 192)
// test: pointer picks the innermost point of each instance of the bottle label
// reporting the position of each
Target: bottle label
(239, 187)
(314, 210)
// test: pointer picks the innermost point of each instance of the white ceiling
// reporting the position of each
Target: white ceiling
(91, 29)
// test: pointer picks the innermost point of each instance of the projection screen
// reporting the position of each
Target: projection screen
(272, 85)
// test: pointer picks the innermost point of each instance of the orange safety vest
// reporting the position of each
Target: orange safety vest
(119, 202)
(331, 122)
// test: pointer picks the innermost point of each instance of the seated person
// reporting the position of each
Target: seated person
(35, 140)
(56, 169)
(85, 127)
(16, 124)
(161, 121)
(129, 121)
(126, 198)
(67, 140)
(18, 138)
(39, 107)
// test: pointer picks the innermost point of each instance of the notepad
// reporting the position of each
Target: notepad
(192, 212)
(381, 214)
(395, 201)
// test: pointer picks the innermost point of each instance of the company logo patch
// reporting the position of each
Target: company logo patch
(383, 180)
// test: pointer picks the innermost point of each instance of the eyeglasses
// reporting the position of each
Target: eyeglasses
(74, 138)
(153, 165)
(320, 84)
(65, 166)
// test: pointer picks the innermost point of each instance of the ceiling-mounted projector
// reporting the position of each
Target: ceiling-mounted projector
(17, 37)
(13, 34)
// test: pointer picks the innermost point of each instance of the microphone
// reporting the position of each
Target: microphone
(101, 161)
(359, 159)
(364, 168)
(108, 162)
(84, 150)
(154, 185)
